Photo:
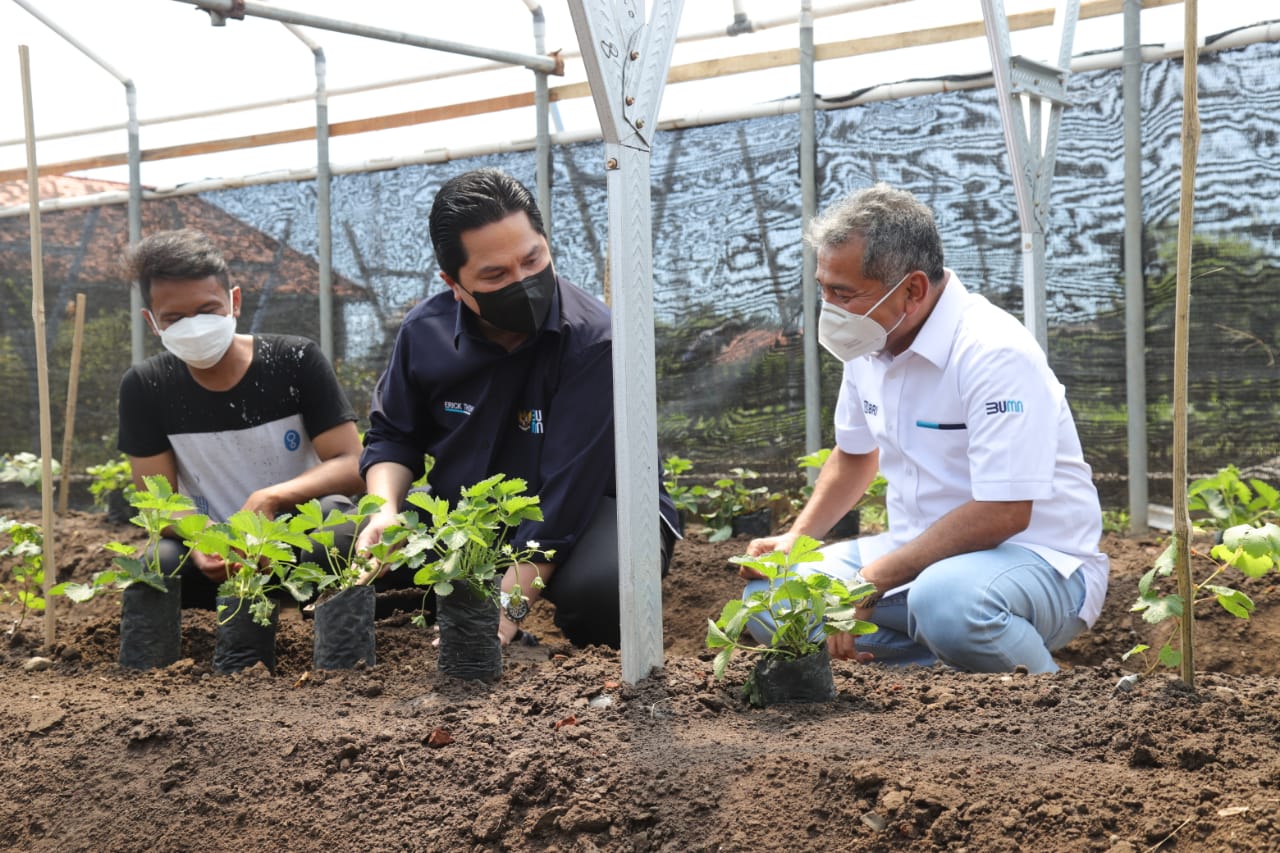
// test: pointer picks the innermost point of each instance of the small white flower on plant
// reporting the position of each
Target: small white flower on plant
(533, 545)
(506, 548)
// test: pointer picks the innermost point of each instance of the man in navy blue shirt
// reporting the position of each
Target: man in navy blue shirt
(509, 371)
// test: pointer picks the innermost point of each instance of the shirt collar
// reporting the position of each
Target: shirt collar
(933, 341)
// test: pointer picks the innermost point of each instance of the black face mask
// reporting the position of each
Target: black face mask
(520, 306)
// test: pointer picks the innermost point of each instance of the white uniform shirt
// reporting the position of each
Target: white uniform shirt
(972, 411)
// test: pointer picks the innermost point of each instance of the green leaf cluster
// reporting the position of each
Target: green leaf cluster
(729, 497)
(798, 603)
(872, 503)
(25, 555)
(1253, 551)
(25, 468)
(340, 571)
(159, 508)
(114, 475)
(686, 498)
(467, 542)
(1227, 500)
(261, 555)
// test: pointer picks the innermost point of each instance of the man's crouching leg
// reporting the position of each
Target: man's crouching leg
(584, 588)
(990, 611)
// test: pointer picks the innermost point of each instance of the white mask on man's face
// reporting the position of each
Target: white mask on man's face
(201, 341)
(848, 336)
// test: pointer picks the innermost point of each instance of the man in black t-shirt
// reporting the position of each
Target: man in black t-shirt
(233, 421)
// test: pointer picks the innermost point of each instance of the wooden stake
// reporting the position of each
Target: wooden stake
(50, 565)
(73, 389)
(1181, 337)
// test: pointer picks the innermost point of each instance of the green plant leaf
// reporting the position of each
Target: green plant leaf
(1233, 601)
(721, 662)
(1138, 649)
(1170, 656)
(79, 592)
(1159, 608)
(716, 638)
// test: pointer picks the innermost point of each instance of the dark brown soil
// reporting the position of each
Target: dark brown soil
(559, 755)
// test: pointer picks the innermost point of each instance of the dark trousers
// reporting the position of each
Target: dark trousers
(584, 588)
(200, 593)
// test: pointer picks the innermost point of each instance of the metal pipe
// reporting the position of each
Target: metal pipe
(809, 267)
(135, 172)
(288, 16)
(324, 219)
(756, 26)
(273, 102)
(742, 24)
(541, 108)
(137, 334)
(876, 94)
(1134, 291)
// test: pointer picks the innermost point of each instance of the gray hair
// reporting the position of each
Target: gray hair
(897, 230)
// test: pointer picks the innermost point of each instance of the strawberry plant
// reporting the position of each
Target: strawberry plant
(342, 570)
(805, 607)
(729, 498)
(871, 506)
(1253, 551)
(26, 550)
(1227, 500)
(159, 508)
(461, 553)
(25, 468)
(260, 554)
(467, 543)
(111, 477)
(686, 498)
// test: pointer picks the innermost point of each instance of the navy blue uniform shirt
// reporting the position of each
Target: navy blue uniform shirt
(542, 412)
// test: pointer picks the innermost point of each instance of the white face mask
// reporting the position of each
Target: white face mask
(848, 336)
(201, 341)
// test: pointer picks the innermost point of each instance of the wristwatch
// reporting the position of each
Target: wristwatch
(871, 600)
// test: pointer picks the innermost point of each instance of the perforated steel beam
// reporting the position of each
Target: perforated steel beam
(626, 61)
(1031, 150)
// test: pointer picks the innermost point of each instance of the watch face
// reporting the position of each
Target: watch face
(517, 610)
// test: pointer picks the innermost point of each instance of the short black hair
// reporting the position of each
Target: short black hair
(472, 200)
(182, 255)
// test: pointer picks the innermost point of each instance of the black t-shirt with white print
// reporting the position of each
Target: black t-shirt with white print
(231, 443)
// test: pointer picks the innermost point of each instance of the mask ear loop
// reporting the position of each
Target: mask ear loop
(151, 320)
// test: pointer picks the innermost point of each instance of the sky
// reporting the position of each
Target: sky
(180, 63)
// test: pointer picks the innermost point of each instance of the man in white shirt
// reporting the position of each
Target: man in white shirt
(991, 559)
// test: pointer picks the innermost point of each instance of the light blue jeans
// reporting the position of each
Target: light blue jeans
(987, 611)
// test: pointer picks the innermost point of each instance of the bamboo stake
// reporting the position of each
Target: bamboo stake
(50, 565)
(1181, 334)
(73, 389)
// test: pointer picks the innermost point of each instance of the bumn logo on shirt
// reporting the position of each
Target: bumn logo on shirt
(996, 407)
(292, 439)
(530, 420)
